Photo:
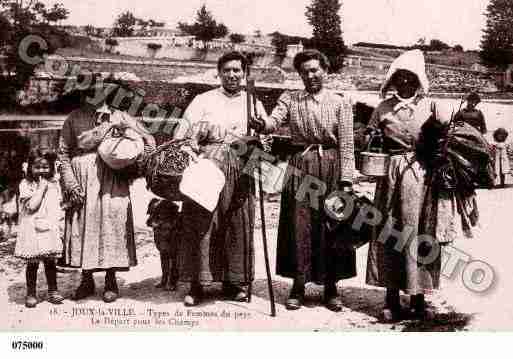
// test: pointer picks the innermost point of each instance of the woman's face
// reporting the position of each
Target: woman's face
(41, 168)
(406, 83)
(232, 74)
(312, 74)
(471, 104)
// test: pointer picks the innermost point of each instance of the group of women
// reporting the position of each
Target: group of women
(218, 246)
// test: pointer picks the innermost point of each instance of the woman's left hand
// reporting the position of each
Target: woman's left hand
(122, 123)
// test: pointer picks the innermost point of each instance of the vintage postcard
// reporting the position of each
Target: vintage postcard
(307, 165)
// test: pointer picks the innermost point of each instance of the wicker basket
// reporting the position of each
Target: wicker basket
(162, 176)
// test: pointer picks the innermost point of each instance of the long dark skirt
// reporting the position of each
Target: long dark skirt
(305, 246)
(218, 246)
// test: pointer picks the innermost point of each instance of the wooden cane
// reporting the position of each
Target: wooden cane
(251, 98)
(264, 240)
(249, 88)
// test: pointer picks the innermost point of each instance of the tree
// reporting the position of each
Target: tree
(237, 38)
(205, 28)
(438, 45)
(53, 15)
(323, 16)
(111, 44)
(124, 25)
(497, 41)
(5, 31)
(458, 48)
(22, 18)
(279, 41)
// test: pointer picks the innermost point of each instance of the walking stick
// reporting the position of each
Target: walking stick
(251, 101)
(248, 133)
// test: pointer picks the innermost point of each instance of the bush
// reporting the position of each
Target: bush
(111, 42)
(153, 46)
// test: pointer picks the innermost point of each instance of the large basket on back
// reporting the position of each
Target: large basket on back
(165, 168)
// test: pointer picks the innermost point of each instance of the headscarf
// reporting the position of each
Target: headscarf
(412, 61)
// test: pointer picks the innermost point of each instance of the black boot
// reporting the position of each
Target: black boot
(332, 300)
(419, 309)
(111, 290)
(297, 295)
(392, 312)
(234, 292)
(194, 296)
(31, 278)
(86, 287)
(51, 279)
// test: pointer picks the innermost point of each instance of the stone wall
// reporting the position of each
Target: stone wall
(173, 98)
(154, 70)
(180, 52)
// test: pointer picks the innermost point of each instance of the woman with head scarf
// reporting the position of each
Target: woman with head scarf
(99, 226)
(400, 255)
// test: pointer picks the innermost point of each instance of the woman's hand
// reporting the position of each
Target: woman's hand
(77, 197)
(193, 150)
(121, 122)
(42, 183)
(258, 123)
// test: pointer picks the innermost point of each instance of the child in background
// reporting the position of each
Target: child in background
(164, 218)
(38, 238)
(8, 213)
(501, 159)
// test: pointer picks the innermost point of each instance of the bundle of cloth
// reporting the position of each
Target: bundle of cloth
(458, 160)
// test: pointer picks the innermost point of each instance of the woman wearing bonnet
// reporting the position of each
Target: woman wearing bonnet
(417, 216)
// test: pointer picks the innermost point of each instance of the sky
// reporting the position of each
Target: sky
(399, 22)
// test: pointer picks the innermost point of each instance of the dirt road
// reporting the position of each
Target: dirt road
(143, 307)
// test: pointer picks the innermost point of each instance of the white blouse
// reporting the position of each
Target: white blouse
(220, 113)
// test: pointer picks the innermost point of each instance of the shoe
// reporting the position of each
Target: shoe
(172, 282)
(85, 289)
(170, 285)
(294, 303)
(295, 300)
(54, 297)
(30, 301)
(163, 281)
(296, 297)
(193, 298)
(420, 310)
(110, 296)
(332, 300)
(426, 314)
(334, 304)
(111, 284)
(235, 293)
(111, 290)
(389, 315)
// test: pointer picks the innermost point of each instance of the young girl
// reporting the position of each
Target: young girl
(500, 148)
(39, 238)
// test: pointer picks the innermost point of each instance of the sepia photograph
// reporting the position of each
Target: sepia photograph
(262, 166)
